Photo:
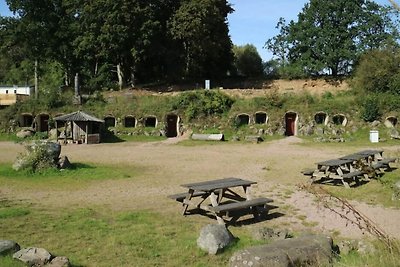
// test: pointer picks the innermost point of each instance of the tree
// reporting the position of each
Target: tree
(200, 26)
(329, 36)
(378, 71)
(247, 61)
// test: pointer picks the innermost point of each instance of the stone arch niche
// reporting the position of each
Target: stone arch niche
(109, 121)
(260, 117)
(150, 121)
(26, 120)
(291, 121)
(130, 121)
(321, 118)
(172, 125)
(391, 122)
(42, 122)
(243, 119)
(339, 119)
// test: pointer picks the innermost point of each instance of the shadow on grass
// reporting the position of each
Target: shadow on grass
(79, 166)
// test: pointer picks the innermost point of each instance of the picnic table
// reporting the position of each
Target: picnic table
(335, 170)
(221, 198)
(350, 168)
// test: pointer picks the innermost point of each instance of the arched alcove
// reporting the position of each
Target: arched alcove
(130, 121)
(291, 120)
(339, 119)
(260, 117)
(172, 125)
(42, 122)
(26, 120)
(321, 118)
(109, 121)
(243, 119)
(391, 122)
(150, 121)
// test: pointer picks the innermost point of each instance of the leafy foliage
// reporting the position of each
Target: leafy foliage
(136, 41)
(247, 61)
(370, 111)
(378, 72)
(202, 103)
(330, 36)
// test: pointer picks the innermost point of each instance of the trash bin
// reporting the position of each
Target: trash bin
(374, 136)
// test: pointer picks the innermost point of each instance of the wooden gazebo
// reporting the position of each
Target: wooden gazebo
(79, 127)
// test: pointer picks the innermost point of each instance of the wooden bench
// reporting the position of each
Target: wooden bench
(308, 172)
(352, 174)
(257, 202)
(181, 196)
(237, 209)
(387, 160)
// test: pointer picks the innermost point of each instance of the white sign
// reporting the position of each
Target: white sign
(207, 85)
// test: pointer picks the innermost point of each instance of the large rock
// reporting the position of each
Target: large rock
(24, 133)
(64, 163)
(266, 233)
(54, 149)
(8, 247)
(59, 262)
(33, 256)
(310, 250)
(214, 238)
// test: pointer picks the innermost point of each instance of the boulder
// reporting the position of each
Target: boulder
(24, 133)
(396, 191)
(33, 256)
(214, 238)
(53, 133)
(54, 149)
(308, 250)
(266, 233)
(375, 124)
(64, 163)
(59, 262)
(8, 247)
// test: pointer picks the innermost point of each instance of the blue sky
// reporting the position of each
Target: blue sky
(253, 21)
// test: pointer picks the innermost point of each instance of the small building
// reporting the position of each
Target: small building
(10, 95)
(80, 128)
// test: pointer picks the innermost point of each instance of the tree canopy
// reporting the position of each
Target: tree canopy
(248, 61)
(124, 41)
(330, 36)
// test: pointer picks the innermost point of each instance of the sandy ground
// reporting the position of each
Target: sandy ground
(275, 166)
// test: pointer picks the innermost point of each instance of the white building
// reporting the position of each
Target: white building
(16, 90)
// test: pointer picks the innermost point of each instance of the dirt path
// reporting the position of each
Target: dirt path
(274, 165)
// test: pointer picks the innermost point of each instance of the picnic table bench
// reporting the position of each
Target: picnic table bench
(221, 199)
(350, 168)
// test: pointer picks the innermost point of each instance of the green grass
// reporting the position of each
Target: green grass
(8, 137)
(141, 138)
(374, 192)
(92, 237)
(78, 176)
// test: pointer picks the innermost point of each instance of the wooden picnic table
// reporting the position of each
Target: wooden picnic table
(334, 170)
(350, 168)
(220, 198)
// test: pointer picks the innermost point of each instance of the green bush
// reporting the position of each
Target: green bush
(370, 111)
(378, 72)
(202, 103)
(37, 158)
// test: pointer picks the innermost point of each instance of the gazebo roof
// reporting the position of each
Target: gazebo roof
(78, 116)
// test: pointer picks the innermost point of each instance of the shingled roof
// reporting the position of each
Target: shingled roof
(78, 116)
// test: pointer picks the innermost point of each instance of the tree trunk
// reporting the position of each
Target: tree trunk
(120, 75)
(36, 80)
(133, 77)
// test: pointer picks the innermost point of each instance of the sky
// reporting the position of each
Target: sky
(253, 21)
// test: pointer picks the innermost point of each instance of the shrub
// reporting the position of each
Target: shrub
(370, 110)
(202, 103)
